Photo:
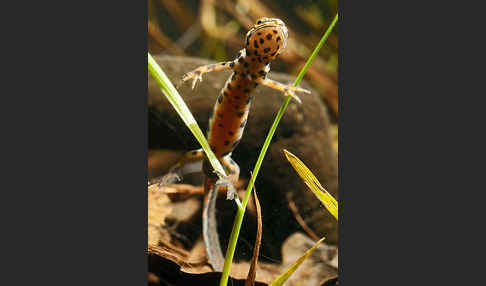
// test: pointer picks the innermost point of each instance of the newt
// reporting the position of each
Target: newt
(264, 42)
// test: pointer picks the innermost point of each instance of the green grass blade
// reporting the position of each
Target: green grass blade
(284, 276)
(314, 185)
(180, 106)
(316, 50)
(230, 251)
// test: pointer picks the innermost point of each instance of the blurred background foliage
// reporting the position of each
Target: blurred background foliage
(215, 29)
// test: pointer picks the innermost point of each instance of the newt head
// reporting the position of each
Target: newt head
(266, 39)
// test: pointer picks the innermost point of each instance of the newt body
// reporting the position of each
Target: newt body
(264, 42)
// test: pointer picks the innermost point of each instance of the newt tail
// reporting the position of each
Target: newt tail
(210, 231)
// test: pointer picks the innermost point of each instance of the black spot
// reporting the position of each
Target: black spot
(225, 94)
(255, 84)
(240, 114)
(226, 153)
(253, 59)
(240, 60)
(194, 152)
(226, 143)
(223, 64)
(256, 53)
(236, 143)
(261, 41)
(220, 125)
(220, 99)
(259, 33)
(266, 50)
(242, 125)
(245, 64)
(231, 133)
(246, 90)
(275, 31)
(247, 42)
(243, 74)
(229, 86)
(278, 39)
(233, 77)
(232, 64)
(214, 148)
(269, 36)
(255, 44)
(277, 48)
(262, 72)
(273, 54)
(265, 58)
(259, 59)
(266, 63)
(248, 100)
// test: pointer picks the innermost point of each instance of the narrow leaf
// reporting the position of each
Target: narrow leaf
(284, 276)
(314, 185)
(181, 108)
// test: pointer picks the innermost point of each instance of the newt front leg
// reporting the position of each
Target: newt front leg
(286, 89)
(196, 74)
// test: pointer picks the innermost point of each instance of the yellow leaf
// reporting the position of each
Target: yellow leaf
(284, 276)
(314, 185)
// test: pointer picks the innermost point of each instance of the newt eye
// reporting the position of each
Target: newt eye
(261, 20)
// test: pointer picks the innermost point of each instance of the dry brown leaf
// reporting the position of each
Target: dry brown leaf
(179, 192)
(185, 210)
(175, 256)
(250, 279)
(158, 209)
(196, 263)
(334, 261)
(331, 281)
(198, 252)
